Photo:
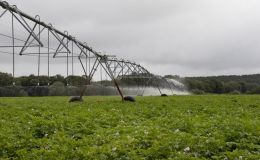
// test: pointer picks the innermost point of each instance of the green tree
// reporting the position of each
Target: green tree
(5, 79)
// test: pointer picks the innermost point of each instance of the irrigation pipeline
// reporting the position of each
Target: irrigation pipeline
(115, 68)
(14, 9)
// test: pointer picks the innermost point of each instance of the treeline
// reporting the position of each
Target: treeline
(32, 80)
(49, 86)
(245, 84)
(59, 85)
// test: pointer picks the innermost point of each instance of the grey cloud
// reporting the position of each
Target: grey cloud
(187, 37)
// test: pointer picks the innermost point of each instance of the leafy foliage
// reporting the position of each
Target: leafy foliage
(224, 84)
(179, 127)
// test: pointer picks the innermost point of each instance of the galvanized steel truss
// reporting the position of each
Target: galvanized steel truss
(68, 47)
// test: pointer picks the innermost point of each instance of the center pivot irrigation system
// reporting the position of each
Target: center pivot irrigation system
(43, 40)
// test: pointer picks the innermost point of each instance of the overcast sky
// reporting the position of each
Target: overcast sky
(184, 37)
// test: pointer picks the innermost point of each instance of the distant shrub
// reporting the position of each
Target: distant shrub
(37, 91)
(235, 92)
(197, 91)
(12, 91)
(22, 93)
(73, 91)
(255, 91)
(6, 92)
(57, 89)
